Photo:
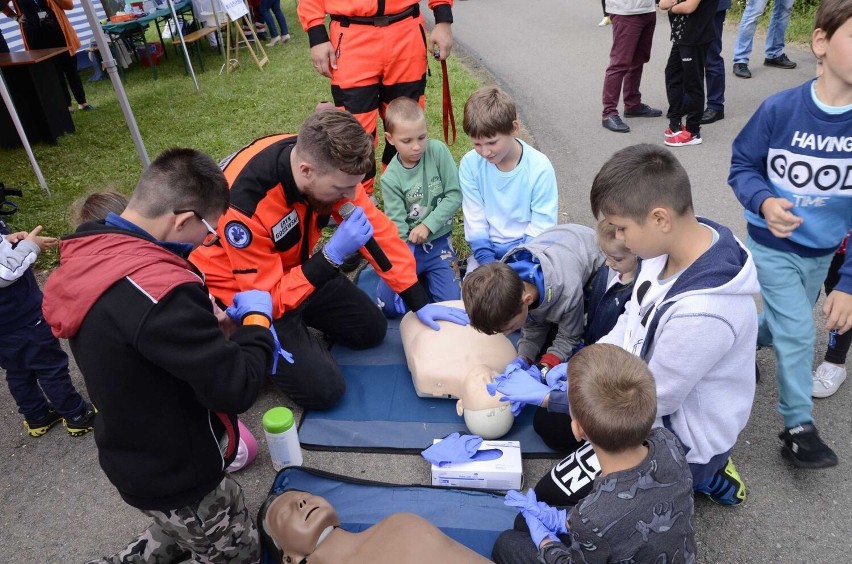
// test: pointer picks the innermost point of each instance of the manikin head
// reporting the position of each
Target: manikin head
(484, 415)
(297, 522)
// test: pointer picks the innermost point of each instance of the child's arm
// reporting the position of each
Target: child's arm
(533, 336)
(15, 261)
(476, 230)
(748, 176)
(449, 205)
(544, 205)
(568, 336)
(838, 304)
(394, 201)
(679, 6)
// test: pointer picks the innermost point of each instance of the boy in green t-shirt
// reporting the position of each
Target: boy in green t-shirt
(421, 194)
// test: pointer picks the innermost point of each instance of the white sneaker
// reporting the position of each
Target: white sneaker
(827, 379)
(605, 22)
(285, 38)
(275, 41)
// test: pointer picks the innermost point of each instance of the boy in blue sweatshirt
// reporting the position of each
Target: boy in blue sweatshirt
(790, 169)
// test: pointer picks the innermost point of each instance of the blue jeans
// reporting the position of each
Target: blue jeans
(789, 286)
(436, 261)
(774, 35)
(714, 67)
(37, 372)
(275, 7)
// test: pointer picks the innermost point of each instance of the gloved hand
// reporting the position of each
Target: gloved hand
(431, 313)
(482, 251)
(558, 373)
(542, 519)
(350, 236)
(518, 388)
(520, 362)
(279, 351)
(453, 448)
(250, 301)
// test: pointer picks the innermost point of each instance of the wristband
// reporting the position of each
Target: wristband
(328, 258)
(257, 319)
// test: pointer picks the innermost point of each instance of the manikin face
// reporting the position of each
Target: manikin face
(410, 140)
(296, 519)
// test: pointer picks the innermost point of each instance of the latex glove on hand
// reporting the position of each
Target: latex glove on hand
(430, 314)
(452, 448)
(543, 520)
(250, 301)
(519, 388)
(558, 373)
(521, 362)
(349, 236)
(279, 351)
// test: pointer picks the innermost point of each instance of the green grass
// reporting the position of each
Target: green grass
(801, 19)
(230, 111)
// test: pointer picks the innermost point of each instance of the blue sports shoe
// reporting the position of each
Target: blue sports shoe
(726, 487)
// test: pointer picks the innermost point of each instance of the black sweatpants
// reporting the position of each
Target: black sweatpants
(838, 345)
(685, 86)
(50, 35)
(344, 314)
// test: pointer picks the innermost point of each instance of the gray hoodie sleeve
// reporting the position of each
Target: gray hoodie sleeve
(15, 261)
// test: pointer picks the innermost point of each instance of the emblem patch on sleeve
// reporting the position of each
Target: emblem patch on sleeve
(237, 234)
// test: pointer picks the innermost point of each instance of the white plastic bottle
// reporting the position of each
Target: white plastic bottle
(282, 438)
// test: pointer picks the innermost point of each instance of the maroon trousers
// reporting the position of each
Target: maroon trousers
(632, 37)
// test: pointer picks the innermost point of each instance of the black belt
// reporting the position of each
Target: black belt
(413, 11)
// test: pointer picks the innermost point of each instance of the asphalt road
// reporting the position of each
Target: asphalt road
(56, 506)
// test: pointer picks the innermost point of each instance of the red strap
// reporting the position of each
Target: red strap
(449, 118)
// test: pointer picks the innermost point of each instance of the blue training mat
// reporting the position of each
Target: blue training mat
(381, 412)
(473, 518)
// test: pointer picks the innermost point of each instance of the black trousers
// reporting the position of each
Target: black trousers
(685, 86)
(838, 347)
(344, 314)
(50, 35)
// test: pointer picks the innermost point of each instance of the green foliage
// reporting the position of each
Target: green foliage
(230, 111)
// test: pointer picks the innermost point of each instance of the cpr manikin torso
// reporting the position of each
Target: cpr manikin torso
(305, 526)
(456, 362)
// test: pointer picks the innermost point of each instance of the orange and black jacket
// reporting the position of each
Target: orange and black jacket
(269, 230)
(312, 12)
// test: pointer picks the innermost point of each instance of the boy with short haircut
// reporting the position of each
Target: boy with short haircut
(644, 476)
(692, 32)
(691, 317)
(535, 285)
(787, 169)
(36, 366)
(421, 194)
(509, 192)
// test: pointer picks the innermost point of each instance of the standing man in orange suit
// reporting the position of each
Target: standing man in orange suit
(374, 51)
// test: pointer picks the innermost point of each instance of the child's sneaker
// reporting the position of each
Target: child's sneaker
(669, 133)
(81, 424)
(683, 139)
(827, 379)
(38, 427)
(804, 448)
(605, 22)
(726, 487)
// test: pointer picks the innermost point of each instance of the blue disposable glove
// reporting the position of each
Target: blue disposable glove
(558, 373)
(431, 313)
(350, 236)
(250, 301)
(542, 519)
(518, 388)
(519, 362)
(482, 251)
(279, 351)
(453, 448)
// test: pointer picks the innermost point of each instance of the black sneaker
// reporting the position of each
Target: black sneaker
(38, 427)
(643, 110)
(81, 424)
(804, 448)
(779, 62)
(741, 70)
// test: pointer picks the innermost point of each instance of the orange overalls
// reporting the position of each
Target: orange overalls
(269, 231)
(380, 47)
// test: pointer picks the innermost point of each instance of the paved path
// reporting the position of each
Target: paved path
(56, 506)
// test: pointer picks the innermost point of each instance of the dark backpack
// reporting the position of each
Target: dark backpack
(8, 207)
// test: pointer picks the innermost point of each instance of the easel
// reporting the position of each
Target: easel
(239, 37)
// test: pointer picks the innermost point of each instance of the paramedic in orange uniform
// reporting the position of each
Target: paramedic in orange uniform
(374, 51)
(284, 188)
